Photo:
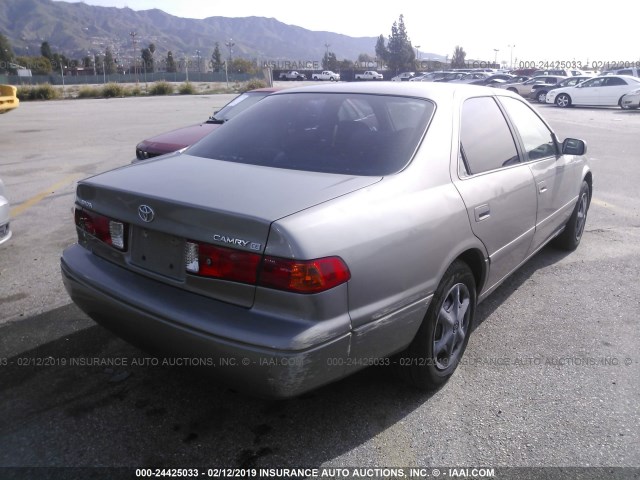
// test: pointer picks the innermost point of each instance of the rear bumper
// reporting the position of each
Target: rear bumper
(166, 319)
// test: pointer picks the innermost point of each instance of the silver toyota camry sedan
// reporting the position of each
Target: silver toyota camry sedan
(327, 229)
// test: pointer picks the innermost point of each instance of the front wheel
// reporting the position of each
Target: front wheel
(435, 352)
(541, 96)
(570, 237)
(563, 100)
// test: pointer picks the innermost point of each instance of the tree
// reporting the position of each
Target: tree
(37, 65)
(45, 50)
(109, 62)
(6, 53)
(330, 62)
(364, 59)
(147, 58)
(216, 59)
(241, 65)
(457, 61)
(171, 63)
(382, 53)
(401, 55)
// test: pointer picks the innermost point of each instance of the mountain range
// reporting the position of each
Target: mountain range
(77, 30)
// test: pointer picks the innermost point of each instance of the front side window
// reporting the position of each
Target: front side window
(344, 133)
(537, 138)
(486, 142)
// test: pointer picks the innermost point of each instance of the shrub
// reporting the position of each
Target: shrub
(89, 92)
(38, 92)
(252, 85)
(24, 92)
(45, 92)
(111, 90)
(161, 88)
(133, 91)
(187, 88)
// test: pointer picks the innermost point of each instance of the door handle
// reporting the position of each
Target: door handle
(542, 187)
(482, 212)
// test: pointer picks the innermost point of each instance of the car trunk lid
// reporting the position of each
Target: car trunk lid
(170, 201)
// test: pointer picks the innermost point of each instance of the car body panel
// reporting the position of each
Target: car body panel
(397, 234)
(8, 98)
(5, 216)
(631, 100)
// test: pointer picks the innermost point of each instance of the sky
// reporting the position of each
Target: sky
(520, 31)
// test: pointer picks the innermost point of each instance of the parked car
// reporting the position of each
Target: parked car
(5, 216)
(326, 75)
(559, 72)
(369, 75)
(539, 91)
(303, 241)
(430, 77)
(471, 77)
(292, 75)
(183, 137)
(8, 98)
(525, 88)
(633, 71)
(499, 78)
(403, 77)
(631, 100)
(598, 91)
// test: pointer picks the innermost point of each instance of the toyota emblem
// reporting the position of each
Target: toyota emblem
(146, 213)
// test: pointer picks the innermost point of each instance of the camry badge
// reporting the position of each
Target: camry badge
(146, 213)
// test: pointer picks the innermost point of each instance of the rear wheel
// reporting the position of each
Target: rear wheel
(563, 100)
(442, 338)
(570, 237)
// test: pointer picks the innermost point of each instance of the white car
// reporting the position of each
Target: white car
(631, 100)
(5, 230)
(403, 77)
(599, 91)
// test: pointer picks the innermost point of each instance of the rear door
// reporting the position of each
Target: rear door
(497, 189)
(613, 89)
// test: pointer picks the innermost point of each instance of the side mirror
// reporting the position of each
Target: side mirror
(573, 146)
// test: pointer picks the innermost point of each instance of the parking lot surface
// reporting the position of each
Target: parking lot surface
(551, 375)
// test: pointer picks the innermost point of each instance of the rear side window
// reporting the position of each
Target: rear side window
(537, 139)
(486, 142)
(344, 133)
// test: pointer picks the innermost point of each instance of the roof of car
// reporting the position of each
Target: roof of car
(431, 90)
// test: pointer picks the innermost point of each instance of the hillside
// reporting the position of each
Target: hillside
(76, 29)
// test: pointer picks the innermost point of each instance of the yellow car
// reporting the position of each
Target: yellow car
(8, 98)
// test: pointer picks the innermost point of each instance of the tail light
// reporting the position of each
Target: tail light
(299, 276)
(308, 276)
(220, 262)
(105, 229)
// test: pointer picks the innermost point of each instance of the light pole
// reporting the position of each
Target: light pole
(495, 59)
(511, 56)
(418, 56)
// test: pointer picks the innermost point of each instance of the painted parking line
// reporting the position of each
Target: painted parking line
(602, 203)
(20, 209)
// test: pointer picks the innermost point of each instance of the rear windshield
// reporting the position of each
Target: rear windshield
(343, 133)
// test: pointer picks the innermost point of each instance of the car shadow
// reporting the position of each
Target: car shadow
(79, 400)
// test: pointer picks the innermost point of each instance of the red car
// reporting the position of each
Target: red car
(184, 137)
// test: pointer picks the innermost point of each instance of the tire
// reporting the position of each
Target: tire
(541, 96)
(429, 362)
(563, 100)
(570, 237)
(331, 79)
